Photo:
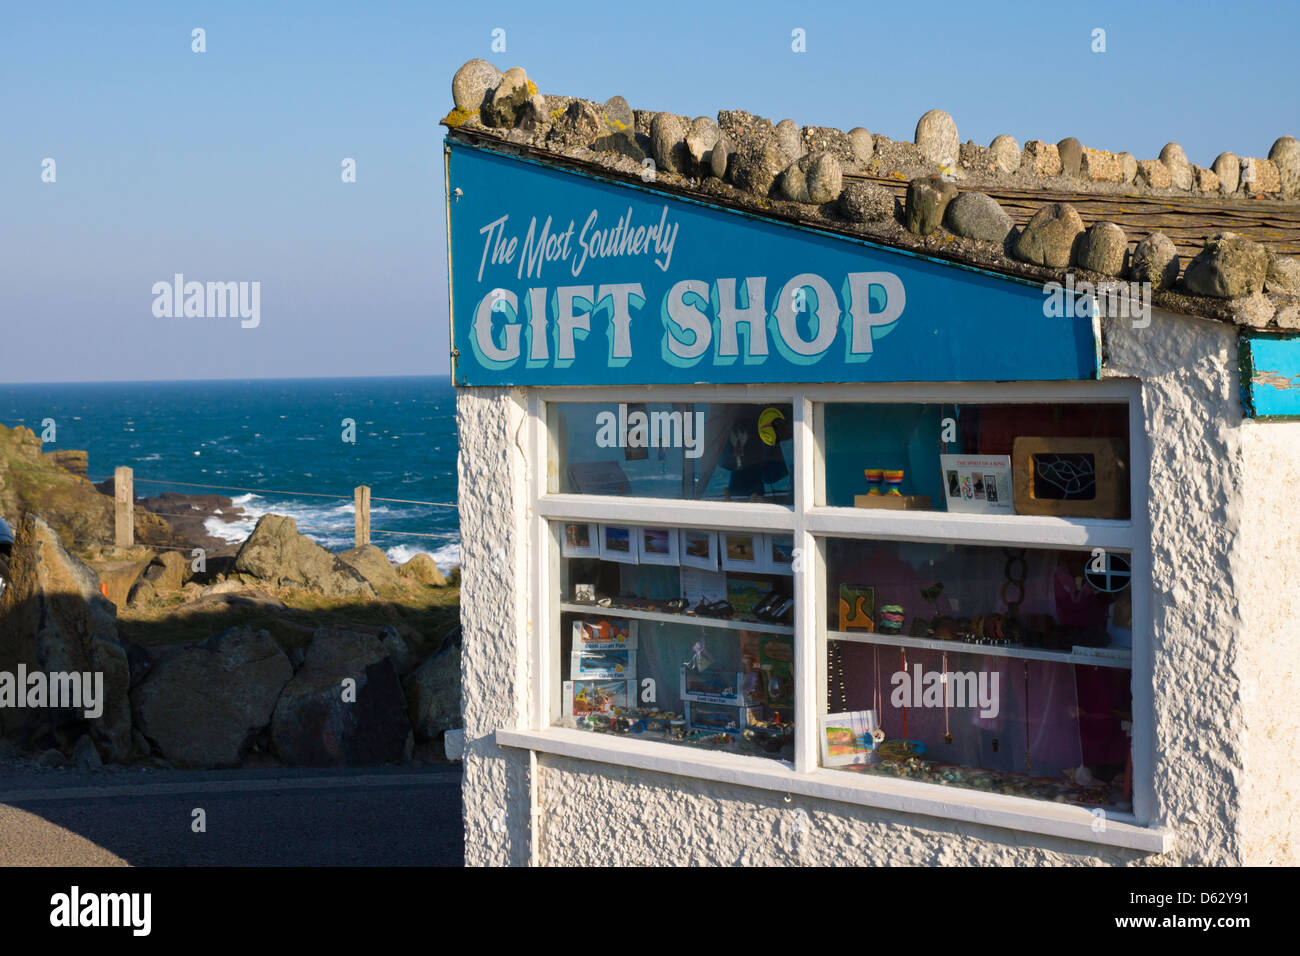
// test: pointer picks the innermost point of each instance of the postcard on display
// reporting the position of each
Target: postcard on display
(977, 484)
(579, 540)
(604, 634)
(618, 543)
(699, 549)
(742, 550)
(659, 546)
(846, 738)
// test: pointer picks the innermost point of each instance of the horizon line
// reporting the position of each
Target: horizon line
(198, 381)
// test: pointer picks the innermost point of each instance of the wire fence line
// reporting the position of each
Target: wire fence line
(273, 491)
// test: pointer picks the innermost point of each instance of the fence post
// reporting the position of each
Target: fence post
(124, 507)
(361, 499)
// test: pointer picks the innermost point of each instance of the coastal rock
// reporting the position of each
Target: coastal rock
(1006, 152)
(1253, 311)
(202, 705)
(433, 695)
(1041, 159)
(814, 178)
(1155, 260)
(398, 651)
(936, 137)
(790, 138)
(509, 101)
(626, 142)
(1283, 276)
(977, 216)
(668, 142)
(1228, 168)
(1099, 166)
(757, 157)
(1103, 249)
(472, 83)
(1285, 155)
(1128, 165)
(972, 156)
(700, 140)
(277, 554)
(580, 124)
(866, 202)
(720, 156)
(618, 115)
(70, 460)
(317, 723)
(1180, 172)
(927, 201)
(166, 573)
(1228, 267)
(862, 144)
(372, 564)
(1071, 152)
(422, 569)
(1154, 173)
(1048, 239)
(53, 618)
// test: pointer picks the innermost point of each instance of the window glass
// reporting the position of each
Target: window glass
(679, 635)
(1005, 670)
(1060, 459)
(672, 450)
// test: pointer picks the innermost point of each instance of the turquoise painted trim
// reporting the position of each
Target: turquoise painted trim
(1270, 375)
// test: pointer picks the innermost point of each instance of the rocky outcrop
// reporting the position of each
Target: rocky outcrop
(53, 618)
(202, 705)
(421, 568)
(372, 564)
(275, 553)
(323, 720)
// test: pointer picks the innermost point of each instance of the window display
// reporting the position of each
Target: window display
(654, 646)
(997, 669)
(1029, 459)
(722, 452)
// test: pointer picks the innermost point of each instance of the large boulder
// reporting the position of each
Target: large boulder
(202, 705)
(1070, 150)
(977, 216)
(1103, 249)
(668, 142)
(433, 694)
(422, 569)
(53, 618)
(509, 103)
(1180, 171)
(164, 575)
(936, 137)
(1285, 154)
(757, 155)
(1229, 266)
(815, 178)
(1228, 168)
(866, 202)
(372, 564)
(700, 140)
(1005, 152)
(317, 723)
(1155, 260)
(927, 200)
(472, 84)
(277, 554)
(1049, 237)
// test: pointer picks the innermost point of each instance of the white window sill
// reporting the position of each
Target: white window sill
(907, 796)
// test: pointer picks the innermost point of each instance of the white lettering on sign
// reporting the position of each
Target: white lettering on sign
(731, 317)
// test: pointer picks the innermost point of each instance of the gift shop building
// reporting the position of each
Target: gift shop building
(798, 533)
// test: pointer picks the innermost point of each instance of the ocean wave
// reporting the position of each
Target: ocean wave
(445, 557)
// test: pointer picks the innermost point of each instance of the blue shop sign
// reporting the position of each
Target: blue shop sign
(562, 278)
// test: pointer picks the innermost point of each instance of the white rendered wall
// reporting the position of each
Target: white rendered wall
(1208, 576)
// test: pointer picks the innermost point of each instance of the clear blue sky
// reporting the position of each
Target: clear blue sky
(225, 165)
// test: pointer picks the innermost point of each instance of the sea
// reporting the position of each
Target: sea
(273, 446)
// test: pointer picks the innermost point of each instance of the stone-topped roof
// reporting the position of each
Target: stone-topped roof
(1214, 241)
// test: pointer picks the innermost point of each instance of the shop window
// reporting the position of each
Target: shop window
(997, 669)
(677, 634)
(1063, 459)
(683, 450)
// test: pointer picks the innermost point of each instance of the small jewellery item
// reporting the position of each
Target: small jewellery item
(947, 738)
(878, 735)
(604, 601)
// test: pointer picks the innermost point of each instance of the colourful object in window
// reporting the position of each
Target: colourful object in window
(875, 478)
(894, 479)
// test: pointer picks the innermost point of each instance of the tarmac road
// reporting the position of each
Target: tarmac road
(399, 816)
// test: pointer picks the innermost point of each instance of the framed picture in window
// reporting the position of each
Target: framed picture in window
(699, 549)
(742, 550)
(659, 546)
(579, 540)
(847, 739)
(778, 553)
(618, 543)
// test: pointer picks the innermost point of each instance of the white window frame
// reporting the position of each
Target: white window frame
(810, 523)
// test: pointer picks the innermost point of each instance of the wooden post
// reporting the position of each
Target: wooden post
(361, 499)
(124, 507)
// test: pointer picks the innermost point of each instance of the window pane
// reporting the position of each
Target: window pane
(672, 450)
(679, 635)
(1003, 670)
(1055, 459)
